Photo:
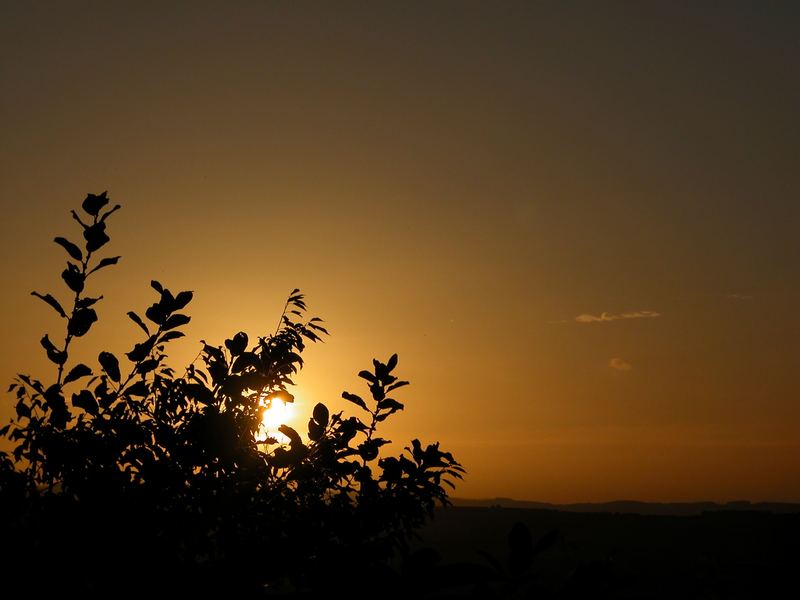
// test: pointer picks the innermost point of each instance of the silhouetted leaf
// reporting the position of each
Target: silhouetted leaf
(54, 400)
(199, 393)
(390, 404)
(32, 383)
(156, 313)
(52, 302)
(105, 263)
(96, 236)
(315, 430)
(78, 219)
(368, 450)
(81, 321)
(73, 277)
(102, 393)
(78, 371)
(237, 344)
(216, 363)
(392, 363)
(318, 328)
(294, 437)
(157, 286)
(181, 300)
(137, 319)
(378, 392)
(176, 321)
(282, 395)
(321, 414)
(147, 365)
(357, 400)
(71, 248)
(367, 375)
(110, 365)
(311, 336)
(213, 352)
(416, 450)
(248, 359)
(87, 302)
(140, 351)
(171, 335)
(85, 400)
(94, 202)
(137, 389)
(23, 410)
(57, 356)
(110, 212)
(167, 301)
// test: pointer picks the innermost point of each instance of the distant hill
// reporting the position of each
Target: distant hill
(635, 507)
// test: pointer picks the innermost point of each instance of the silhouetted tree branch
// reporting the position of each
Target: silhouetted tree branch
(125, 467)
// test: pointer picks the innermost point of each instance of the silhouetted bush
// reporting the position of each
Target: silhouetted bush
(130, 477)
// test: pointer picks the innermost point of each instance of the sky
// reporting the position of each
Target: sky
(576, 223)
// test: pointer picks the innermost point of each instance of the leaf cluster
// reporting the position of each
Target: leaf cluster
(127, 458)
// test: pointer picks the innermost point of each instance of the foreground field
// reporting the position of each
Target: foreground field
(721, 554)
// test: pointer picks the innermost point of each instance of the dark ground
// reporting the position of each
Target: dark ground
(715, 554)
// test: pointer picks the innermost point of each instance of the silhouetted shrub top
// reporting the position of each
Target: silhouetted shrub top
(128, 471)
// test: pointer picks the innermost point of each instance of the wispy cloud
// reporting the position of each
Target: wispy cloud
(603, 317)
(740, 296)
(620, 365)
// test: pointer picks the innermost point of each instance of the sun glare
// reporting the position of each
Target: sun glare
(277, 413)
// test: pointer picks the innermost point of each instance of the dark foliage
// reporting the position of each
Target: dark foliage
(495, 552)
(128, 477)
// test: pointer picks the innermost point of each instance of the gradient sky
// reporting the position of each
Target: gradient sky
(577, 223)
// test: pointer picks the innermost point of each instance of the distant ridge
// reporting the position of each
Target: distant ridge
(635, 507)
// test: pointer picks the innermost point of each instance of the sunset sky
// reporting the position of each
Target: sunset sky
(577, 223)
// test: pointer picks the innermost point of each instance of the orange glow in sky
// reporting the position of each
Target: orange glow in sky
(577, 229)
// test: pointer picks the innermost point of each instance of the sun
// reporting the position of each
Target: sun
(277, 412)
